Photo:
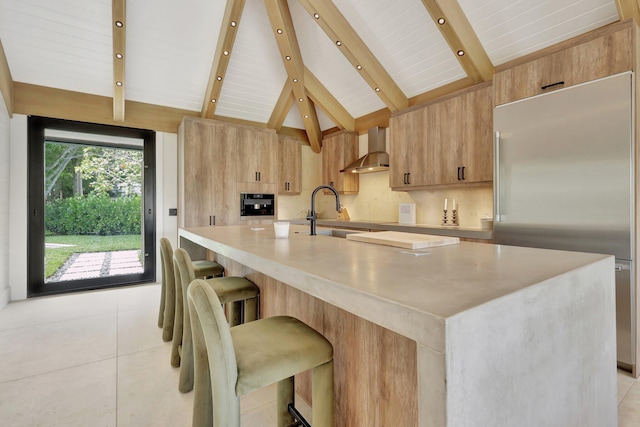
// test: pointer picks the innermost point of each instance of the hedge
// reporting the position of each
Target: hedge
(94, 215)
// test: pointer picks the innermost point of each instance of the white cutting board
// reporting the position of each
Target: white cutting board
(403, 240)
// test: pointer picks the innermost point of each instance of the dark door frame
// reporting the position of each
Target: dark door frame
(36, 285)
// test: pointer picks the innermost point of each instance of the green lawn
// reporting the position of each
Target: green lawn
(55, 257)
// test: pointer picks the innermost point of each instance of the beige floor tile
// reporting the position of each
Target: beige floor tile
(140, 296)
(629, 408)
(258, 398)
(80, 396)
(44, 348)
(45, 310)
(625, 381)
(148, 391)
(138, 330)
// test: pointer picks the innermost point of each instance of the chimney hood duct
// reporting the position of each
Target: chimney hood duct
(376, 159)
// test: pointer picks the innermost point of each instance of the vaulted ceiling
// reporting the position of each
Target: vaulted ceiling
(299, 64)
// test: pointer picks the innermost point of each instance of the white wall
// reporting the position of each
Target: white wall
(376, 202)
(5, 185)
(166, 197)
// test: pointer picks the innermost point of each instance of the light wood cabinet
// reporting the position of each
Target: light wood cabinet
(410, 157)
(338, 150)
(595, 55)
(289, 166)
(205, 194)
(446, 142)
(257, 159)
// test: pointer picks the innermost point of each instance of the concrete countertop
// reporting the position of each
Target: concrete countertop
(387, 285)
(464, 232)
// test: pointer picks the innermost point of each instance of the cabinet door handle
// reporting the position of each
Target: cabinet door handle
(458, 173)
(408, 177)
(552, 85)
(259, 176)
(463, 173)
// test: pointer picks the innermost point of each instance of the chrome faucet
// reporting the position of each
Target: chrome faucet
(312, 215)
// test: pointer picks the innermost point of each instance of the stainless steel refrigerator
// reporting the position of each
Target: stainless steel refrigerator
(564, 180)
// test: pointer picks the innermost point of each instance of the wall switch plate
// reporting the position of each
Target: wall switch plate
(173, 212)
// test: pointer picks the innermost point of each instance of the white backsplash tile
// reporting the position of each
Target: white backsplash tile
(376, 202)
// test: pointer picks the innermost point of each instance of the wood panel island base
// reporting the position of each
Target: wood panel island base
(466, 335)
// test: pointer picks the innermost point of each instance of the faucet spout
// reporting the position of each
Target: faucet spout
(312, 215)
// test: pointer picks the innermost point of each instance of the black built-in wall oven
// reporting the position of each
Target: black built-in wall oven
(254, 205)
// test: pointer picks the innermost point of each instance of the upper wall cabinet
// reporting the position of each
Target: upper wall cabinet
(257, 159)
(289, 166)
(595, 55)
(446, 142)
(338, 150)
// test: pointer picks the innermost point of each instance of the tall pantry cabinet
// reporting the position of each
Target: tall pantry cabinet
(216, 163)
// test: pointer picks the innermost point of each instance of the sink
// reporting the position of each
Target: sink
(334, 232)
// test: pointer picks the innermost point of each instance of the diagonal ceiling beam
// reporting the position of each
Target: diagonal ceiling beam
(628, 9)
(228, 31)
(280, 111)
(280, 18)
(330, 105)
(356, 51)
(6, 82)
(464, 42)
(119, 25)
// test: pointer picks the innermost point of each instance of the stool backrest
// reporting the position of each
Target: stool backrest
(216, 370)
(166, 259)
(185, 272)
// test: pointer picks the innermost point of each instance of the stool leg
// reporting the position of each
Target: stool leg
(285, 396)
(322, 395)
(169, 312)
(202, 391)
(250, 310)
(161, 311)
(177, 321)
(235, 313)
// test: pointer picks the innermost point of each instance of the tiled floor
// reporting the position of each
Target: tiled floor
(97, 359)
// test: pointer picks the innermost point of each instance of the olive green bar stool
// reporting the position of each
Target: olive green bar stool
(201, 268)
(231, 362)
(232, 290)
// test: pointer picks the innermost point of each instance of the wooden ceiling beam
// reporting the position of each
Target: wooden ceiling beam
(280, 18)
(119, 24)
(327, 102)
(336, 26)
(628, 9)
(226, 38)
(280, 111)
(6, 82)
(463, 41)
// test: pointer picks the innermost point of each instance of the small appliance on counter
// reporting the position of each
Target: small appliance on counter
(407, 213)
(257, 205)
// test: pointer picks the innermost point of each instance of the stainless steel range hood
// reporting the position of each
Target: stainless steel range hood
(376, 159)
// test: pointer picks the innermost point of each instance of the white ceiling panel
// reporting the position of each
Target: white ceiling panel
(510, 29)
(170, 48)
(65, 44)
(255, 76)
(404, 38)
(329, 65)
(294, 119)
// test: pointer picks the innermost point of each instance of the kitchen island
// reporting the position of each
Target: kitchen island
(464, 335)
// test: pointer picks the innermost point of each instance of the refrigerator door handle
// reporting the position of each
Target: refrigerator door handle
(496, 176)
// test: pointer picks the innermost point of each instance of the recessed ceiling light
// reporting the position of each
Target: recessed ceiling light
(306, 116)
(460, 52)
(377, 89)
(119, 24)
(225, 53)
(316, 15)
(288, 58)
(300, 99)
(279, 31)
(118, 83)
(359, 67)
(233, 23)
(119, 55)
(339, 43)
(219, 78)
(295, 80)
(213, 101)
(441, 21)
